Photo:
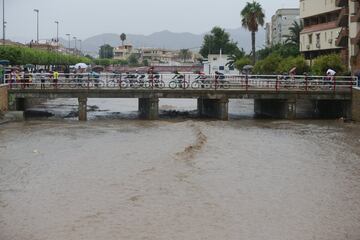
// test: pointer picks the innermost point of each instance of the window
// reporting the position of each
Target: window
(221, 68)
(310, 38)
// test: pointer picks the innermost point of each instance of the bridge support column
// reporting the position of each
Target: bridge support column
(214, 108)
(82, 108)
(149, 108)
(275, 108)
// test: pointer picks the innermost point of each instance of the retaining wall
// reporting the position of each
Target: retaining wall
(356, 105)
(3, 98)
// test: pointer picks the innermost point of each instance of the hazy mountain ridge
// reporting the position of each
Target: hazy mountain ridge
(168, 40)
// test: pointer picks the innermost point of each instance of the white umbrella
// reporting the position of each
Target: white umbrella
(81, 65)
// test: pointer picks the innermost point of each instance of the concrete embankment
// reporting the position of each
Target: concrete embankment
(356, 104)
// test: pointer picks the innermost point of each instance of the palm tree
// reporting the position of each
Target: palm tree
(295, 30)
(252, 16)
(123, 38)
(234, 57)
(184, 54)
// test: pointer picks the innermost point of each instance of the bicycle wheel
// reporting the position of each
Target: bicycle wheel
(196, 85)
(160, 84)
(225, 84)
(173, 85)
(111, 84)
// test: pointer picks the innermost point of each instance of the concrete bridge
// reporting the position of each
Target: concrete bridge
(273, 96)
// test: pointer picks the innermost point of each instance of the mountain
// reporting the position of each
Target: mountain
(168, 40)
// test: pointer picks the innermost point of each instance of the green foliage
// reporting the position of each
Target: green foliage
(106, 52)
(123, 38)
(133, 60)
(24, 55)
(240, 63)
(284, 50)
(234, 57)
(145, 63)
(323, 63)
(290, 62)
(269, 65)
(184, 54)
(252, 16)
(295, 30)
(216, 40)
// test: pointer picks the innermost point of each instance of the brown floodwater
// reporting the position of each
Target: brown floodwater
(115, 177)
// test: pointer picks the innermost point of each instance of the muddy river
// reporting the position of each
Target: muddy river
(116, 177)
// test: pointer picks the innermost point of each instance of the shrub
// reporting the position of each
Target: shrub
(288, 63)
(240, 63)
(269, 65)
(323, 63)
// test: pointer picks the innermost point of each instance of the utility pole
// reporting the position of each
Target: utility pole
(80, 41)
(75, 38)
(68, 35)
(37, 21)
(4, 22)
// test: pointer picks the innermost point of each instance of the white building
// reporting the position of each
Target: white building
(281, 22)
(217, 62)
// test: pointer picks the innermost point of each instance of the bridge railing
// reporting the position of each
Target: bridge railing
(182, 82)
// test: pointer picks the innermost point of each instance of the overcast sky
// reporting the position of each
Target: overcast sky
(86, 18)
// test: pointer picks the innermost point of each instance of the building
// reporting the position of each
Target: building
(158, 55)
(268, 37)
(278, 30)
(331, 26)
(218, 62)
(123, 52)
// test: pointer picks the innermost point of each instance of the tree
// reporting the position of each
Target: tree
(218, 40)
(333, 61)
(184, 54)
(234, 57)
(133, 60)
(106, 51)
(295, 30)
(242, 62)
(252, 16)
(123, 38)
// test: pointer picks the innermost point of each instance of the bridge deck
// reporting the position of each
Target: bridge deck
(339, 94)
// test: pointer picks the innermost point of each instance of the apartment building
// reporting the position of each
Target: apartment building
(123, 52)
(278, 30)
(331, 26)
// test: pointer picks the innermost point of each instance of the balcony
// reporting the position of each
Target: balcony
(341, 3)
(356, 40)
(343, 17)
(342, 40)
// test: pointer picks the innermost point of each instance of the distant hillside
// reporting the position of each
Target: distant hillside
(168, 40)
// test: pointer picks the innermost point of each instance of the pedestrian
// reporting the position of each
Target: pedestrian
(55, 78)
(330, 73)
(357, 74)
(42, 79)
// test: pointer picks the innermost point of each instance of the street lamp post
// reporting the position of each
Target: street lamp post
(68, 35)
(75, 38)
(37, 27)
(57, 31)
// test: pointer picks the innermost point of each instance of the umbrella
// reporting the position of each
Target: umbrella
(4, 62)
(248, 67)
(81, 65)
(98, 68)
(29, 66)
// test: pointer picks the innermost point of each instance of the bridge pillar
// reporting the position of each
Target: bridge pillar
(275, 108)
(82, 108)
(149, 108)
(214, 108)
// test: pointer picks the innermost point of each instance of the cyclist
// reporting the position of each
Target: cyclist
(330, 77)
(55, 78)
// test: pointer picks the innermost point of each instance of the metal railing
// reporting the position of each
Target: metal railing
(182, 82)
